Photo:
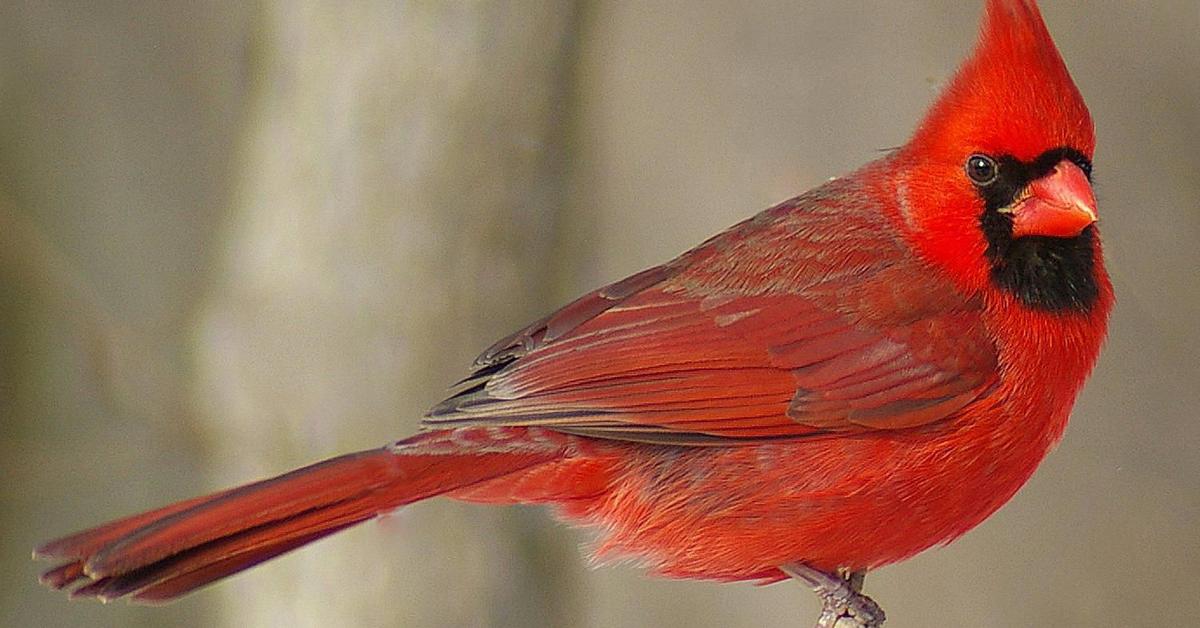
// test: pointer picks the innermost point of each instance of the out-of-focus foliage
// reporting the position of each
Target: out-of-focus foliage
(235, 238)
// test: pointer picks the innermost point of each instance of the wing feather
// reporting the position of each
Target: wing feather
(841, 338)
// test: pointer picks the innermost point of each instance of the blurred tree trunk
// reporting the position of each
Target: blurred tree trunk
(396, 209)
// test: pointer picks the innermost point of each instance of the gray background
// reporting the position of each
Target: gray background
(235, 238)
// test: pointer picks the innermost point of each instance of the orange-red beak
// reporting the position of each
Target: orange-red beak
(1060, 204)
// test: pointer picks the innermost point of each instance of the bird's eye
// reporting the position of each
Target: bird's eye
(982, 170)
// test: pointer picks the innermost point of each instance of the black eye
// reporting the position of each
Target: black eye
(982, 170)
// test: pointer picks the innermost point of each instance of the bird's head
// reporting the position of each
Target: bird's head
(995, 184)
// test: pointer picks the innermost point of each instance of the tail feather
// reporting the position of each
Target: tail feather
(324, 485)
(89, 541)
(170, 578)
(165, 553)
(170, 588)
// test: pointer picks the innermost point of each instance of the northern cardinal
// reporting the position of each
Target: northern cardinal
(835, 384)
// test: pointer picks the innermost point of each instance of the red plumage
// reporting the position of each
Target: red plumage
(842, 381)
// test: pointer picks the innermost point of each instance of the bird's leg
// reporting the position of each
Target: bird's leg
(843, 604)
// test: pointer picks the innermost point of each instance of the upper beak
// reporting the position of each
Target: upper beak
(1060, 204)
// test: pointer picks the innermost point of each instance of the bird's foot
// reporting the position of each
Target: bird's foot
(843, 604)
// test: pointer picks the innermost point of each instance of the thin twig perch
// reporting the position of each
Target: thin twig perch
(843, 604)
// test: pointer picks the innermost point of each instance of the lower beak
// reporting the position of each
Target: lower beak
(1060, 204)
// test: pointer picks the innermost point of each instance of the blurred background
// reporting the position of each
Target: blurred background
(239, 237)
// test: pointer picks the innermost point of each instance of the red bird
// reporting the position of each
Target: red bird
(838, 383)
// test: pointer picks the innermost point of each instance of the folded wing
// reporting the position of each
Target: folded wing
(847, 333)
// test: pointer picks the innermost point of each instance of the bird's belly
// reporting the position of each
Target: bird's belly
(738, 513)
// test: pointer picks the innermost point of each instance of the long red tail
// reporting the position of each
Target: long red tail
(162, 554)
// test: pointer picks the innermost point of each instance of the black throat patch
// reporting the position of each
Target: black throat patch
(1044, 273)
